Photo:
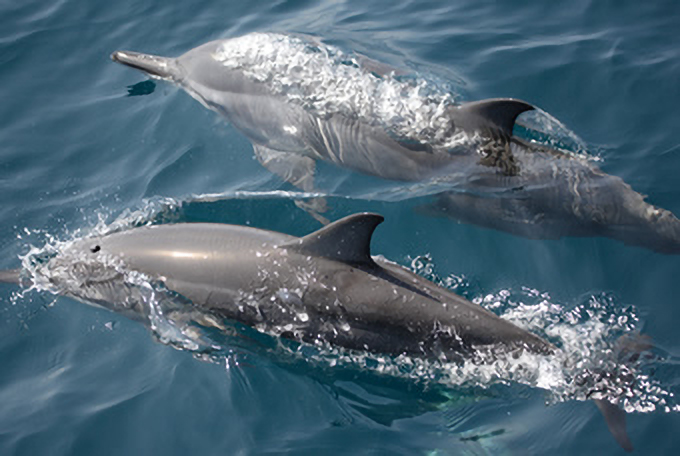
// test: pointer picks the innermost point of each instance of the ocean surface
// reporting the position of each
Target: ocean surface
(87, 145)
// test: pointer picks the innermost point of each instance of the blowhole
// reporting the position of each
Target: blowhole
(95, 249)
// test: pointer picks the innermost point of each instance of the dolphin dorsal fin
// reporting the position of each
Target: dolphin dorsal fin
(502, 112)
(347, 240)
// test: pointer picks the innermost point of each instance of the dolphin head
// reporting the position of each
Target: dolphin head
(201, 71)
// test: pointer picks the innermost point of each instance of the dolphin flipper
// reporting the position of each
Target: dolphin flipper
(298, 170)
(289, 166)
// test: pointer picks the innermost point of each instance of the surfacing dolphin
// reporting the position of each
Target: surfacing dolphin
(299, 100)
(324, 287)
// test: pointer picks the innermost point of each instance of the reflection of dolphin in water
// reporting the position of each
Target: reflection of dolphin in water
(299, 100)
(324, 287)
(558, 196)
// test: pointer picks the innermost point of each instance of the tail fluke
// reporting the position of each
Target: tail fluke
(628, 348)
(616, 422)
(661, 231)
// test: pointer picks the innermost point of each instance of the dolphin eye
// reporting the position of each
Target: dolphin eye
(95, 249)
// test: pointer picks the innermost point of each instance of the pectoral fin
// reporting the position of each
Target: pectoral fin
(292, 167)
(314, 207)
(298, 170)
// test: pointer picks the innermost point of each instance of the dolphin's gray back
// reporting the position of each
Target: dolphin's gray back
(274, 121)
(263, 279)
(204, 262)
(371, 150)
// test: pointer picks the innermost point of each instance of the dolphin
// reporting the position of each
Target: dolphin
(300, 100)
(319, 284)
(324, 287)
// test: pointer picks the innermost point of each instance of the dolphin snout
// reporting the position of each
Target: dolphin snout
(116, 56)
(153, 65)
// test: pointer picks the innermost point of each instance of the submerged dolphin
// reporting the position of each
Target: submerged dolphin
(324, 287)
(299, 100)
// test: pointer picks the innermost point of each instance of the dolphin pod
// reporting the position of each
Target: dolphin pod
(325, 287)
(299, 100)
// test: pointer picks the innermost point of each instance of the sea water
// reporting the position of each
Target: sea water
(89, 147)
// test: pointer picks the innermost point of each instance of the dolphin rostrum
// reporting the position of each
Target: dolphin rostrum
(324, 287)
(299, 100)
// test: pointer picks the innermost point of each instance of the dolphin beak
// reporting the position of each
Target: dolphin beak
(154, 66)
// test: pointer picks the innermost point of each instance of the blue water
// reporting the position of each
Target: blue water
(77, 152)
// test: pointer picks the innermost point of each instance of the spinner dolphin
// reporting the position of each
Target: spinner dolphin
(300, 100)
(324, 287)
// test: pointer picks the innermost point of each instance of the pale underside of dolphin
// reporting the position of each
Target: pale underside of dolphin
(300, 100)
(324, 287)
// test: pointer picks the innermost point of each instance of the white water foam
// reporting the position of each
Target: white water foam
(327, 80)
(601, 354)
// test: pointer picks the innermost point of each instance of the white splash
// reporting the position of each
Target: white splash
(327, 80)
(601, 354)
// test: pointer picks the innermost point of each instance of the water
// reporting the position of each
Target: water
(80, 155)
